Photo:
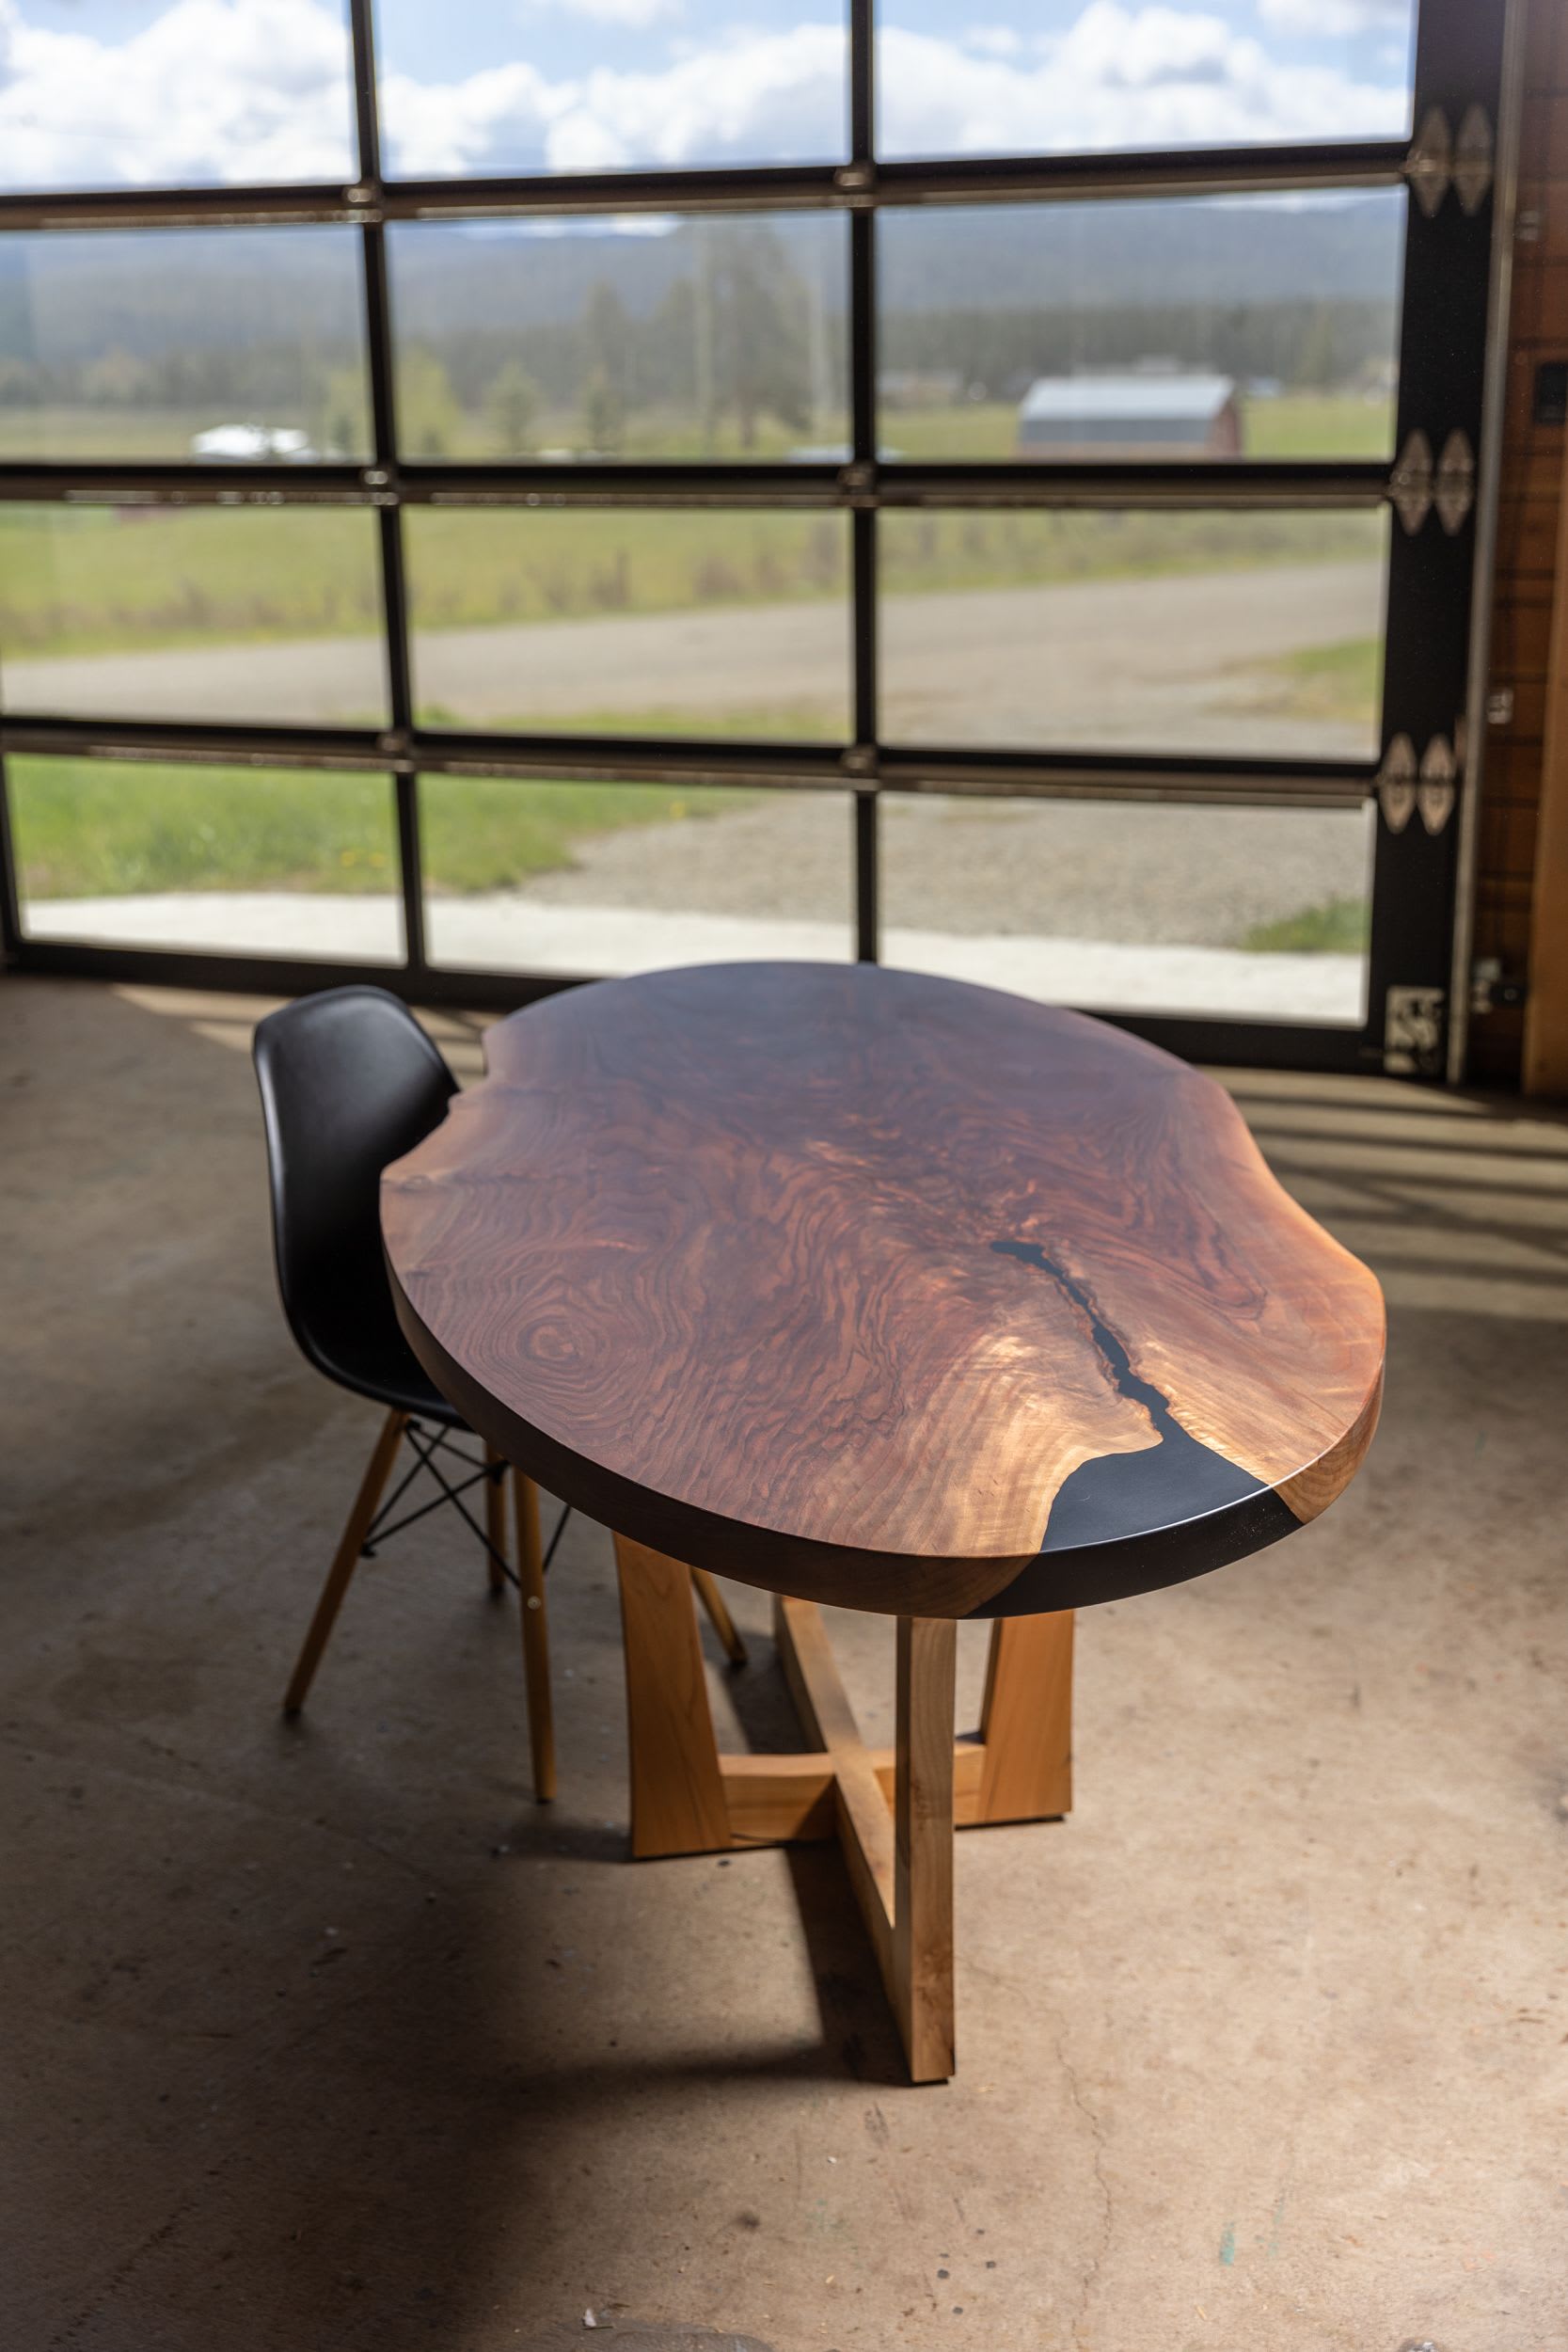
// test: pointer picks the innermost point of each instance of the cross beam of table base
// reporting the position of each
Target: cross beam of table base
(893, 1810)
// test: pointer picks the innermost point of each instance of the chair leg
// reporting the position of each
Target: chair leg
(495, 1517)
(536, 1636)
(346, 1560)
(719, 1616)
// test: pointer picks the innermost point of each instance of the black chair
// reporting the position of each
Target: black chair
(349, 1083)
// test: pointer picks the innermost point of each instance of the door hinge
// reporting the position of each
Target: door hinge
(1430, 785)
(1437, 161)
(1418, 483)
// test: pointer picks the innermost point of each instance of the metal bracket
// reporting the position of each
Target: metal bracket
(1413, 1032)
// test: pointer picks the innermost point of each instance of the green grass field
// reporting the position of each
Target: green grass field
(1341, 928)
(87, 830)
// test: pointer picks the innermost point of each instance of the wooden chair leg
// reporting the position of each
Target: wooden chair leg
(346, 1560)
(536, 1636)
(495, 1517)
(719, 1616)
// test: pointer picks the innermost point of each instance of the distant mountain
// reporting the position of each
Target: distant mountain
(74, 297)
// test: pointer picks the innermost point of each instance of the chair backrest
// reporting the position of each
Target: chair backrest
(349, 1083)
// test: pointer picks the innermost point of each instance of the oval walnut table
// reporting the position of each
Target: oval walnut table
(891, 1292)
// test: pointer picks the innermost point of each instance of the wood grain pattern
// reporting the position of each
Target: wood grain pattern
(881, 1290)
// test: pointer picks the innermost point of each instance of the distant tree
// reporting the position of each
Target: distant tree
(512, 404)
(1318, 360)
(430, 423)
(606, 334)
(339, 414)
(604, 412)
(761, 343)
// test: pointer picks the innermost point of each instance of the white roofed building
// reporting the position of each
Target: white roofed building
(1140, 413)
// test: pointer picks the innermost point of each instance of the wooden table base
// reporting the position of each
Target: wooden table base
(893, 1810)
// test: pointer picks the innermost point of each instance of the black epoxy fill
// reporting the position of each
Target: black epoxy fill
(1121, 1495)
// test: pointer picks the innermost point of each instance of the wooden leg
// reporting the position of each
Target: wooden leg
(922, 1833)
(536, 1636)
(495, 1517)
(719, 1616)
(1026, 1722)
(900, 1863)
(346, 1560)
(678, 1792)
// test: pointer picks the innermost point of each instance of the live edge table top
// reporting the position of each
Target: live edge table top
(881, 1290)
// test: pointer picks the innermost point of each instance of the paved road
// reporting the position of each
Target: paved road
(1156, 663)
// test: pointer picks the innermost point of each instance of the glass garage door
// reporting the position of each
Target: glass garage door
(499, 498)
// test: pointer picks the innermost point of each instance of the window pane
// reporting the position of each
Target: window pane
(228, 343)
(1245, 912)
(173, 93)
(605, 85)
(631, 621)
(1159, 632)
(598, 879)
(723, 337)
(1052, 76)
(249, 614)
(1110, 330)
(239, 860)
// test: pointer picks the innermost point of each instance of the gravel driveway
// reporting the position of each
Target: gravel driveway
(1168, 663)
(1077, 869)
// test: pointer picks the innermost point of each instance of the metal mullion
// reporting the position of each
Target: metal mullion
(1294, 482)
(172, 741)
(544, 483)
(903, 768)
(862, 525)
(179, 208)
(394, 595)
(1283, 167)
(1352, 163)
(46, 482)
(1250, 485)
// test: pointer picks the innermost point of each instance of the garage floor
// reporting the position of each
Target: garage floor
(326, 2038)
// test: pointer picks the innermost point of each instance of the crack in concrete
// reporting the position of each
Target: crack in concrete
(1096, 2139)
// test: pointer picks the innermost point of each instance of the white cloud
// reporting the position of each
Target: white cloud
(211, 89)
(1335, 19)
(636, 14)
(241, 90)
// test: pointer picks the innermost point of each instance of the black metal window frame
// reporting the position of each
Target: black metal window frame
(1434, 675)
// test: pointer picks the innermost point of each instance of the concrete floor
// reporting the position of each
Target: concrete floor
(326, 2038)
